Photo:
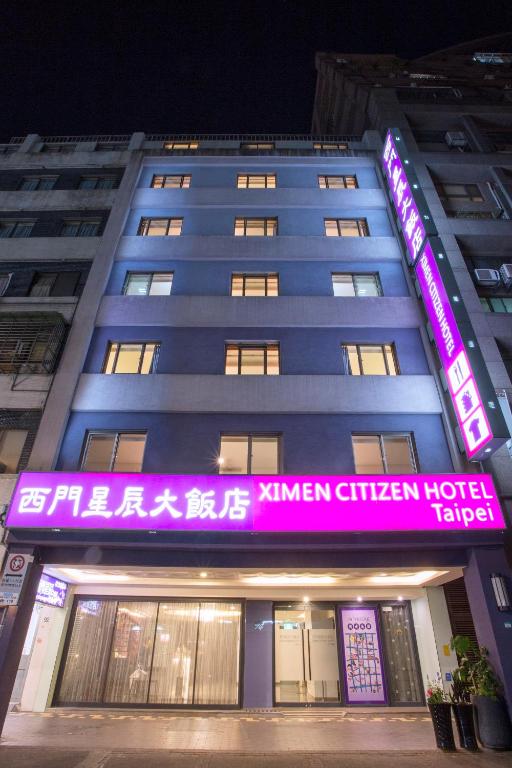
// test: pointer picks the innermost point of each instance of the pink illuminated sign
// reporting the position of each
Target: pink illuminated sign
(403, 198)
(473, 422)
(273, 503)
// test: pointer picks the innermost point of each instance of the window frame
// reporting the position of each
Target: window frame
(244, 275)
(39, 179)
(143, 344)
(361, 346)
(467, 197)
(249, 176)
(145, 223)
(333, 146)
(354, 275)
(264, 219)
(129, 273)
(115, 445)
(413, 454)
(258, 146)
(97, 179)
(343, 177)
(4, 430)
(240, 347)
(180, 145)
(361, 223)
(164, 176)
(81, 223)
(14, 224)
(250, 435)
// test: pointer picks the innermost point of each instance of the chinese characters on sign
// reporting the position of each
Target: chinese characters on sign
(405, 205)
(362, 657)
(128, 502)
(15, 570)
(51, 591)
(467, 402)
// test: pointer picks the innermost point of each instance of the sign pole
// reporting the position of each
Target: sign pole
(14, 630)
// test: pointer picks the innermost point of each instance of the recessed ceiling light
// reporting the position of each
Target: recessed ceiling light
(203, 575)
(306, 599)
(359, 599)
(409, 579)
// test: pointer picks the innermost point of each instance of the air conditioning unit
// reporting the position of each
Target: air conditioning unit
(456, 139)
(487, 277)
(506, 274)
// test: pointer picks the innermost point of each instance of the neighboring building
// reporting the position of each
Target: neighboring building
(246, 312)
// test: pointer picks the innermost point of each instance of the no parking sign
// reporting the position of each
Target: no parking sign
(16, 566)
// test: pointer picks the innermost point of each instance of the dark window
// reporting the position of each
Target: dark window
(16, 228)
(98, 182)
(55, 284)
(85, 228)
(33, 183)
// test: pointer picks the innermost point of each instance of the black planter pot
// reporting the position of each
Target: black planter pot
(441, 715)
(464, 719)
(493, 722)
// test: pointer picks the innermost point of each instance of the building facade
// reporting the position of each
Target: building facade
(243, 361)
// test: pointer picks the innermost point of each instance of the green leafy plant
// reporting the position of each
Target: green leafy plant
(474, 674)
(435, 691)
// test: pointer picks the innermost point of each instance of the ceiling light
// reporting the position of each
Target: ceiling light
(220, 460)
(284, 580)
(306, 599)
(413, 580)
(203, 575)
(359, 599)
(400, 598)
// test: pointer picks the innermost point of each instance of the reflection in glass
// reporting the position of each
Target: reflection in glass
(218, 647)
(172, 676)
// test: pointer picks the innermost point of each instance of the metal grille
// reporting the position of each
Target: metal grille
(459, 611)
(30, 342)
(250, 137)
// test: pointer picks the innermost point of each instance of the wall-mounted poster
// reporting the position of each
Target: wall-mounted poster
(362, 658)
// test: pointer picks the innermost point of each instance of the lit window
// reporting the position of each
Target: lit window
(337, 182)
(98, 182)
(171, 182)
(252, 359)
(114, 452)
(384, 454)
(16, 228)
(131, 358)
(346, 228)
(39, 183)
(369, 359)
(348, 284)
(256, 227)
(181, 145)
(330, 145)
(247, 284)
(148, 284)
(461, 192)
(160, 227)
(84, 228)
(256, 181)
(12, 442)
(257, 145)
(249, 455)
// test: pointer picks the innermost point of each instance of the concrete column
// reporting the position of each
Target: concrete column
(136, 141)
(13, 635)
(258, 655)
(53, 423)
(442, 633)
(493, 627)
(29, 142)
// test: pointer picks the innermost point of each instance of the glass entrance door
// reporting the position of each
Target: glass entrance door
(404, 679)
(305, 655)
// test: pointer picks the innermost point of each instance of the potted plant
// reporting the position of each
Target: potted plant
(491, 715)
(440, 712)
(460, 695)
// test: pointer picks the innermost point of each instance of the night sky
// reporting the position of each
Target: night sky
(116, 66)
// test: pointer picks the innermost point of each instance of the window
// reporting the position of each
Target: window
(5, 279)
(12, 442)
(249, 455)
(128, 357)
(346, 284)
(58, 148)
(247, 284)
(33, 183)
(495, 304)
(330, 145)
(80, 229)
(181, 145)
(369, 359)
(469, 193)
(98, 182)
(54, 284)
(171, 182)
(256, 227)
(148, 284)
(337, 182)
(160, 227)
(257, 145)
(114, 452)
(252, 359)
(256, 181)
(16, 228)
(384, 454)
(346, 228)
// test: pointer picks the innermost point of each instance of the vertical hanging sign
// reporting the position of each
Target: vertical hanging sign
(478, 435)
